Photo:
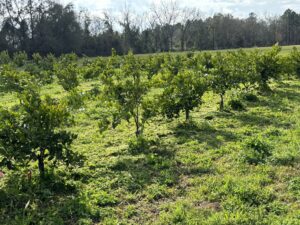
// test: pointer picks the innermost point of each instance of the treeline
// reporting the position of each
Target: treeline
(36, 26)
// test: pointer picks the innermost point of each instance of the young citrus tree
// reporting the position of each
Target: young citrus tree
(153, 64)
(42, 68)
(243, 68)
(34, 132)
(295, 61)
(205, 60)
(20, 58)
(67, 76)
(222, 78)
(13, 80)
(4, 58)
(182, 92)
(125, 90)
(173, 64)
(268, 66)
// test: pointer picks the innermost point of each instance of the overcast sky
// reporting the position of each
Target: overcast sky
(239, 8)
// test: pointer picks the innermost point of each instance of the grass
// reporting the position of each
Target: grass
(285, 50)
(191, 173)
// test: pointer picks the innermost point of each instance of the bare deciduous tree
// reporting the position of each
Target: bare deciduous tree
(187, 16)
(166, 15)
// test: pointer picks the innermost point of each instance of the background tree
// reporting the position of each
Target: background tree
(50, 27)
(290, 26)
(131, 33)
(166, 14)
(187, 17)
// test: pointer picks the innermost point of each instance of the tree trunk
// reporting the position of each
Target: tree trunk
(137, 130)
(214, 38)
(182, 39)
(171, 39)
(41, 163)
(182, 44)
(264, 87)
(137, 124)
(222, 102)
(187, 115)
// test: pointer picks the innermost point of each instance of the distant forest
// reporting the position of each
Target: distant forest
(49, 27)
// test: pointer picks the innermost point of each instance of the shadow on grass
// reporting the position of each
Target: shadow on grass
(276, 99)
(156, 164)
(54, 200)
(256, 119)
(289, 94)
(203, 133)
(280, 100)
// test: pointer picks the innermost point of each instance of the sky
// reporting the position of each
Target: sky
(240, 8)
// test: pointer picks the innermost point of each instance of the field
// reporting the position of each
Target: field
(285, 50)
(193, 172)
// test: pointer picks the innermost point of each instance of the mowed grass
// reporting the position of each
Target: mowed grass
(192, 173)
(285, 50)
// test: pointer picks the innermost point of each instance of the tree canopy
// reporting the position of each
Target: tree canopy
(50, 27)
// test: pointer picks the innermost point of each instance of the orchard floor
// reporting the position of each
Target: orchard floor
(190, 173)
(285, 50)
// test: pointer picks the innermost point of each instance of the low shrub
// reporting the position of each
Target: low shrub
(75, 99)
(19, 58)
(4, 58)
(286, 156)
(250, 97)
(256, 150)
(139, 145)
(236, 105)
(294, 186)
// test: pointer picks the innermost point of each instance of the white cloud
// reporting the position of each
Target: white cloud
(208, 7)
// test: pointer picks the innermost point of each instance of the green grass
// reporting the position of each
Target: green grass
(194, 173)
(285, 50)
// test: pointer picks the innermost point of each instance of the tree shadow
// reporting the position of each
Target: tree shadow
(155, 164)
(277, 98)
(276, 102)
(288, 85)
(289, 94)
(256, 119)
(203, 133)
(30, 200)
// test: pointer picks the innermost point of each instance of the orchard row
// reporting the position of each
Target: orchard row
(131, 88)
